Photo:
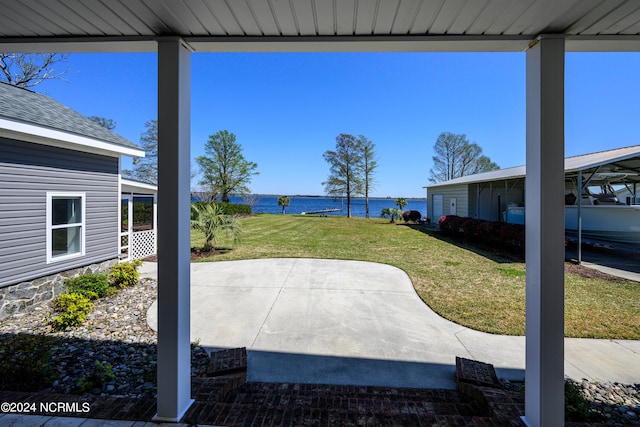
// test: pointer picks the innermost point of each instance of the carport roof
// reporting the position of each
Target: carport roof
(626, 159)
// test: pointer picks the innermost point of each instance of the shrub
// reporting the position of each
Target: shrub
(468, 227)
(235, 209)
(227, 208)
(73, 309)
(391, 213)
(509, 237)
(210, 220)
(100, 374)
(24, 362)
(125, 274)
(411, 215)
(451, 225)
(576, 406)
(92, 286)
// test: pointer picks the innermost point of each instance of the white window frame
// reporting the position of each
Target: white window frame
(51, 227)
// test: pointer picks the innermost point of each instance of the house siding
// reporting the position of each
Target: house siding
(458, 192)
(27, 172)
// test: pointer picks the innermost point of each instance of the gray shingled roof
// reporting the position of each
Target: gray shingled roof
(27, 106)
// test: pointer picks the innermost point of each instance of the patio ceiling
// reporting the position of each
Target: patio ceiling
(484, 25)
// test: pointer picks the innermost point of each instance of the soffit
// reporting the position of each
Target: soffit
(211, 25)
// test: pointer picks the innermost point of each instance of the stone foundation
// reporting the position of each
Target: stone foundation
(24, 296)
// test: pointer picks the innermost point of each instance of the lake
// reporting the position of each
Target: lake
(299, 204)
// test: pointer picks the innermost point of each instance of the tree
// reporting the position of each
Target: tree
(250, 200)
(224, 168)
(145, 168)
(345, 178)
(456, 157)
(29, 69)
(104, 122)
(210, 219)
(284, 202)
(401, 202)
(369, 165)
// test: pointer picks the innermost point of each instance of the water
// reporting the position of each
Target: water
(297, 205)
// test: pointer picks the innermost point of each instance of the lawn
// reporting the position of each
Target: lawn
(477, 289)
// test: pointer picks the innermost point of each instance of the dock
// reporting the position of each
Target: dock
(322, 211)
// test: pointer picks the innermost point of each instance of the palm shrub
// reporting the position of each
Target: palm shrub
(284, 202)
(401, 202)
(210, 220)
(391, 213)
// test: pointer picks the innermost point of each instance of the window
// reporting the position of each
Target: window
(65, 226)
(142, 213)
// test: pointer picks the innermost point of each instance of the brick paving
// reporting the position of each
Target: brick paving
(224, 398)
(112, 408)
(262, 404)
(227, 362)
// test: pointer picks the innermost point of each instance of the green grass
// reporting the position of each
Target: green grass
(512, 272)
(468, 286)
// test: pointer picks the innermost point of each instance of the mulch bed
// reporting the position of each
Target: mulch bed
(590, 273)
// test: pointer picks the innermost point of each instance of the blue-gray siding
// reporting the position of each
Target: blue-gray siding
(27, 172)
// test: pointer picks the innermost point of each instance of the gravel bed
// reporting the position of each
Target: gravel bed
(611, 403)
(614, 401)
(115, 333)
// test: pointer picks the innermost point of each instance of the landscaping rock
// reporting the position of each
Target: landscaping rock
(113, 335)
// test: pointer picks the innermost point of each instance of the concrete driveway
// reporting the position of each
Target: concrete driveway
(358, 323)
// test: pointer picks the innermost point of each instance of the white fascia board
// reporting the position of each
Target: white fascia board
(43, 135)
(134, 186)
(370, 43)
(89, 44)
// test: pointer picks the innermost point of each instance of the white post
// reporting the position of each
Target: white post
(544, 386)
(174, 354)
(129, 226)
(579, 224)
(155, 223)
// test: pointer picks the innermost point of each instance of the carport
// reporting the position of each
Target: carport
(500, 195)
(544, 29)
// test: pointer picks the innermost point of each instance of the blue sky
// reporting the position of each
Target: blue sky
(287, 109)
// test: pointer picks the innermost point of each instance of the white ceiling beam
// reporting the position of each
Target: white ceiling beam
(79, 44)
(453, 43)
(361, 44)
(602, 43)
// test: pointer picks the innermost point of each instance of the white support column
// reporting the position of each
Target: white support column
(174, 354)
(544, 386)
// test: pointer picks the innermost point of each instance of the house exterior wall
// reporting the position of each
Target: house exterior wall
(457, 192)
(19, 298)
(27, 172)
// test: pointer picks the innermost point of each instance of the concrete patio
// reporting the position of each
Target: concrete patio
(357, 323)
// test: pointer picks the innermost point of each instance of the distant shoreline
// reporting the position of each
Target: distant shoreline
(309, 196)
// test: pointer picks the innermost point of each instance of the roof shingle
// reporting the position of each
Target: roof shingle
(31, 107)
